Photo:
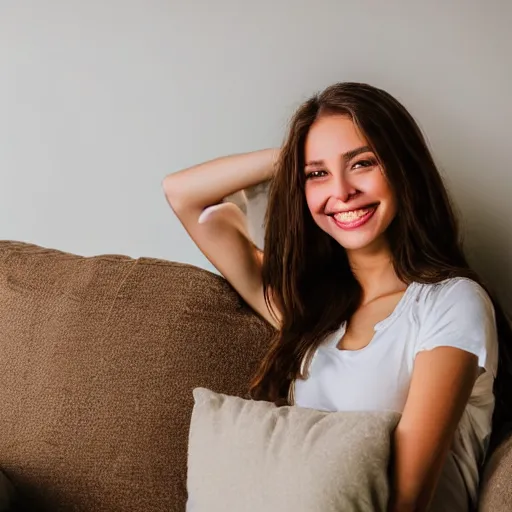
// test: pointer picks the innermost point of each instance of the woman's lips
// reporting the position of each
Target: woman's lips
(356, 223)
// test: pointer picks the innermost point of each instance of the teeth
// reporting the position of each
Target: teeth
(351, 215)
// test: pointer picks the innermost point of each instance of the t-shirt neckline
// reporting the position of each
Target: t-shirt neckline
(399, 308)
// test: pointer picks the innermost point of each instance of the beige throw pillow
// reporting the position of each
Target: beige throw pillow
(251, 456)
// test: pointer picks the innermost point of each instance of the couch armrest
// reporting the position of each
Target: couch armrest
(496, 485)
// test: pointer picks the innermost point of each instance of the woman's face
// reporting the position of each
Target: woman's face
(346, 190)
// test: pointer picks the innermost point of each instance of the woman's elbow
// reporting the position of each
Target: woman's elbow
(172, 192)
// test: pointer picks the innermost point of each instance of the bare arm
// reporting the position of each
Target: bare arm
(440, 388)
(221, 232)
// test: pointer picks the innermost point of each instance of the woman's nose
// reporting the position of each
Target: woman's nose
(343, 189)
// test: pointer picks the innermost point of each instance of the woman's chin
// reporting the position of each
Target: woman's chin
(362, 242)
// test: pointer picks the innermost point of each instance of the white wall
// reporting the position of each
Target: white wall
(100, 99)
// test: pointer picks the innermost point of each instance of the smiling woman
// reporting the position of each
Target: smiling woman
(364, 277)
(346, 189)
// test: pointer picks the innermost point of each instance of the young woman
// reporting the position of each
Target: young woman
(365, 280)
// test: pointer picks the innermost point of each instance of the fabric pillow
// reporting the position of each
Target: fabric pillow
(249, 456)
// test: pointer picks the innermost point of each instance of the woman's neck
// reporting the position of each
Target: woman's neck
(373, 268)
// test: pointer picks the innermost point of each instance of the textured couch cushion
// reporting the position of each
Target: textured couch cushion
(6, 493)
(250, 456)
(496, 487)
(98, 360)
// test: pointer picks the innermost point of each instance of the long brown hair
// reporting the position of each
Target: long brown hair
(307, 271)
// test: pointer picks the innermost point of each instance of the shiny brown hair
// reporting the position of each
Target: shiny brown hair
(307, 272)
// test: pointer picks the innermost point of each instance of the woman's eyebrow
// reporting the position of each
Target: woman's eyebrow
(354, 152)
(346, 156)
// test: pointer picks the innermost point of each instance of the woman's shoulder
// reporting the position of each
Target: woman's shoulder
(459, 290)
(459, 301)
(458, 312)
(455, 307)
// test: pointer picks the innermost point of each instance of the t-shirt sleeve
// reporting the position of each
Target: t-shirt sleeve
(461, 315)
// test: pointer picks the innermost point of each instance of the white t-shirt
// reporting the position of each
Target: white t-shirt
(457, 313)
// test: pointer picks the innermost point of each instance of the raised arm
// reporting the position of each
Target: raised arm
(220, 229)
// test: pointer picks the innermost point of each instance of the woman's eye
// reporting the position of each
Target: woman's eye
(314, 174)
(363, 163)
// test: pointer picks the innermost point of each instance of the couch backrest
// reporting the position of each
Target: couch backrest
(98, 359)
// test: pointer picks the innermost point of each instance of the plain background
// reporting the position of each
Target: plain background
(100, 99)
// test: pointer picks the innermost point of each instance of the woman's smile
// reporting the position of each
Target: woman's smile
(353, 219)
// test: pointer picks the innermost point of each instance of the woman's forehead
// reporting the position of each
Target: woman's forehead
(332, 136)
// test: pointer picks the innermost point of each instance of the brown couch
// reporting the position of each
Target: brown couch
(98, 359)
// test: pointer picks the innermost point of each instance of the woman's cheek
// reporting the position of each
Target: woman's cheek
(314, 201)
